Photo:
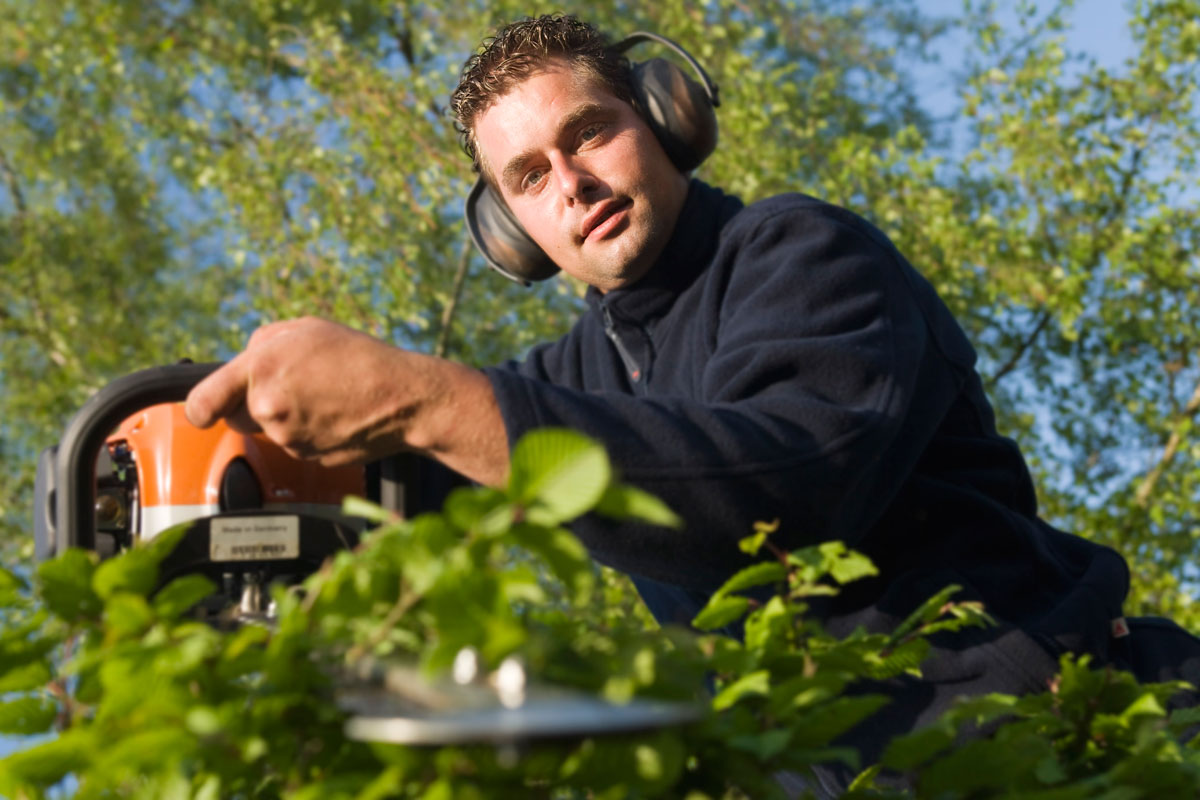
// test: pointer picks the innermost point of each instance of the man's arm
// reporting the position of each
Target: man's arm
(327, 392)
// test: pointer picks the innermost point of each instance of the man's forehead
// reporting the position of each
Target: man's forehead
(582, 81)
(588, 94)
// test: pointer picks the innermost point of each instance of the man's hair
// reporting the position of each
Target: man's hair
(521, 49)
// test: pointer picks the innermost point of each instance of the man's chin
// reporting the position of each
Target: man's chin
(625, 274)
(610, 263)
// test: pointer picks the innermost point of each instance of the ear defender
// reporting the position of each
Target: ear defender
(678, 109)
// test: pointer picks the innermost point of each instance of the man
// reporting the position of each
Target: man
(780, 360)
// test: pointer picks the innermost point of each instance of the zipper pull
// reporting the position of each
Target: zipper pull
(610, 330)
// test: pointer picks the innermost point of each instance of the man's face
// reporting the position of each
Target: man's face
(583, 173)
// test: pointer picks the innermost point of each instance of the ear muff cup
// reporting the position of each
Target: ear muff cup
(679, 111)
(504, 243)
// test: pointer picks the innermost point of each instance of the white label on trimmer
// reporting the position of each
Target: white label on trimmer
(254, 538)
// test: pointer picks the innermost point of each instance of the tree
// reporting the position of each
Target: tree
(173, 174)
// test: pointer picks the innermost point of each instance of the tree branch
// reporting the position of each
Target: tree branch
(1023, 348)
(1142, 496)
(403, 37)
(14, 186)
(404, 602)
(460, 278)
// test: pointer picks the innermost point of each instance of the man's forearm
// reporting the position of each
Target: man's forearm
(458, 422)
(326, 392)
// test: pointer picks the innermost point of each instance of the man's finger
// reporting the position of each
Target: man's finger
(266, 333)
(219, 395)
(241, 421)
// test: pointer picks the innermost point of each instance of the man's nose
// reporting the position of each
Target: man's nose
(575, 180)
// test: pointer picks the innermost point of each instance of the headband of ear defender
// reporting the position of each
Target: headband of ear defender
(678, 110)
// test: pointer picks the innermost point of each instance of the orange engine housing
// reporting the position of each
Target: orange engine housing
(186, 473)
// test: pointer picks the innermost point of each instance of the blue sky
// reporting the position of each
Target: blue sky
(1098, 27)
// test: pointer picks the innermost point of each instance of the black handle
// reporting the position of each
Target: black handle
(75, 468)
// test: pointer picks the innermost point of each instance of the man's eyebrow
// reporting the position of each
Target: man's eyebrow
(516, 164)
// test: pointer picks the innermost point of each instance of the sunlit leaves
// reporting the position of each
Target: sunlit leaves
(181, 594)
(145, 695)
(26, 715)
(557, 475)
(67, 585)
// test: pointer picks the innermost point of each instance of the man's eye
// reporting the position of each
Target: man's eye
(532, 179)
(589, 133)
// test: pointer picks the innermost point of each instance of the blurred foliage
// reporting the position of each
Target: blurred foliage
(147, 702)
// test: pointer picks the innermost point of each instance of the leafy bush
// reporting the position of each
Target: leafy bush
(141, 700)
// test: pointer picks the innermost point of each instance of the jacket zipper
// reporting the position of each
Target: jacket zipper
(610, 330)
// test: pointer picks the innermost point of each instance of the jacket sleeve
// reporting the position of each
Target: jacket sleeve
(827, 367)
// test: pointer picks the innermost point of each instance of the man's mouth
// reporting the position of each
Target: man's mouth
(605, 219)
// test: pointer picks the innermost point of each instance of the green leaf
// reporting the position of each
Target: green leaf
(820, 725)
(649, 763)
(851, 566)
(26, 642)
(905, 658)
(26, 716)
(1049, 771)
(914, 749)
(754, 684)
(802, 691)
(128, 614)
(865, 780)
(1185, 717)
(66, 585)
(629, 502)
(134, 571)
(754, 542)
(1146, 705)
(11, 583)
(149, 747)
(372, 512)
(23, 678)
(483, 509)
(181, 594)
(209, 790)
(558, 475)
(770, 627)
(203, 721)
(658, 761)
(764, 746)
(163, 544)
(720, 611)
(760, 574)
(565, 556)
(45, 764)
(928, 611)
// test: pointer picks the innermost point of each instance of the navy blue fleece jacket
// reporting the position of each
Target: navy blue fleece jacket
(783, 360)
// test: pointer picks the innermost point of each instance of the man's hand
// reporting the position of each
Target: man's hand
(324, 391)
